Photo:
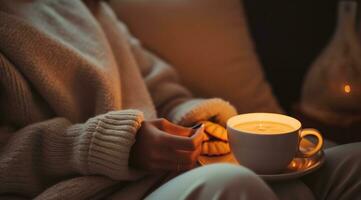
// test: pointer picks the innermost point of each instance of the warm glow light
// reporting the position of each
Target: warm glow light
(347, 88)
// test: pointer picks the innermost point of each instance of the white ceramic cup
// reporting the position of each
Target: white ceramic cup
(269, 153)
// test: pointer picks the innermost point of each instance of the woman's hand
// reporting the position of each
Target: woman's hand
(163, 146)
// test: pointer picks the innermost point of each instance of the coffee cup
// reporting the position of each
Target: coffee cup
(267, 142)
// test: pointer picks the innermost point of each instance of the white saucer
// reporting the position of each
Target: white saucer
(297, 168)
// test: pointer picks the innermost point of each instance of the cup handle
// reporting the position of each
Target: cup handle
(310, 131)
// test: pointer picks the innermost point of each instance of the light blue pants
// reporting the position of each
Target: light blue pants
(338, 179)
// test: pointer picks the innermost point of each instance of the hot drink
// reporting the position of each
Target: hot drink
(268, 142)
(264, 127)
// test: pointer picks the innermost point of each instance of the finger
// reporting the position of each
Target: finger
(168, 141)
(177, 142)
(172, 128)
(157, 122)
(181, 143)
(198, 135)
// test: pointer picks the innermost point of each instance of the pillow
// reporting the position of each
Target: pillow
(208, 43)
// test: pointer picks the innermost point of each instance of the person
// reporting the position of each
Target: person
(87, 113)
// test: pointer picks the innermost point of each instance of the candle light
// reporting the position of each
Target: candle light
(347, 88)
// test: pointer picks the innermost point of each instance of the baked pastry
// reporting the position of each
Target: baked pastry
(215, 130)
(215, 148)
(215, 142)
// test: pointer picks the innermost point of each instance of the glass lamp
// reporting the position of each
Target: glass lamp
(331, 90)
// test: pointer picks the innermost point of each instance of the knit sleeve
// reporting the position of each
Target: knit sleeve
(173, 101)
(41, 154)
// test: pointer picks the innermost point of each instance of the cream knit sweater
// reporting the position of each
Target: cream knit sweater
(74, 89)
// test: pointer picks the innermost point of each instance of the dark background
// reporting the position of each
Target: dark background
(289, 35)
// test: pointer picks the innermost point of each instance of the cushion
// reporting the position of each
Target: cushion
(208, 43)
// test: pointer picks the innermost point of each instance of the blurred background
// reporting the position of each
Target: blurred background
(300, 30)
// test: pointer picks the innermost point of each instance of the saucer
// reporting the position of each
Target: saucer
(297, 168)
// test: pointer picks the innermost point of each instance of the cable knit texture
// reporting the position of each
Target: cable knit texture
(74, 89)
(112, 136)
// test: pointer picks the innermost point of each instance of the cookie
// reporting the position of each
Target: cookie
(215, 148)
(215, 130)
(206, 137)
